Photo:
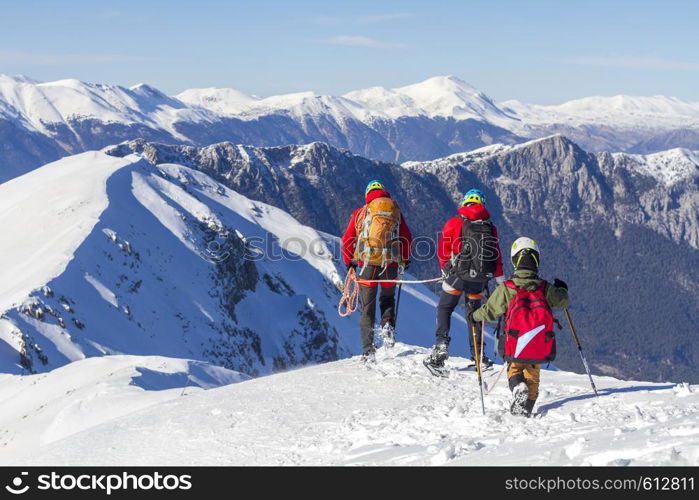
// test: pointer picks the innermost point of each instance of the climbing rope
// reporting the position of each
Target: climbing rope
(350, 291)
(350, 294)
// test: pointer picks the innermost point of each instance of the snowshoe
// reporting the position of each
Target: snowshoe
(437, 371)
(520, 395)
(435, 361)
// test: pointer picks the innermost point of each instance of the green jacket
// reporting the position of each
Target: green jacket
(502, 296)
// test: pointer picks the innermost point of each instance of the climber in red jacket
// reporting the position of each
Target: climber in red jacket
(466, 269)
(376, 244)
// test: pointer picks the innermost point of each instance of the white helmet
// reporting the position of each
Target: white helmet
(523, 243)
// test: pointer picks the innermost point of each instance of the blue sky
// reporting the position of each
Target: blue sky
(535, 51)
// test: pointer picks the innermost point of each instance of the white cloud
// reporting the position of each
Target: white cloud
(634, 62)
(35, 59)
(378, 18)
(362, 41)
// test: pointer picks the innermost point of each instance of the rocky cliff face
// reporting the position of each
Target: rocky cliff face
(618, 228)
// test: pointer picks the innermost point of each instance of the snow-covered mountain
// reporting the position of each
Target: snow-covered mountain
(341, 413)
(624, 224)
(621, 111)
(633, 124)
(102, 255)
(43, 107)
(41, 122)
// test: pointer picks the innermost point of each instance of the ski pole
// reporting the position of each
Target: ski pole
(582, 356)
(487, 296)
(478, 366)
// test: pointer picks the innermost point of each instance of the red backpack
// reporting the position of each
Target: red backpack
(529, 336)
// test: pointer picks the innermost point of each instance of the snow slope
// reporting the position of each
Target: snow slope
(38, 244)
(41, 409)
(394, 414)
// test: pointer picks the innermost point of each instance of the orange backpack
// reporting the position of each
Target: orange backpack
(377, 228)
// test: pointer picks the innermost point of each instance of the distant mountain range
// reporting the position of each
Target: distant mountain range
(41, 122)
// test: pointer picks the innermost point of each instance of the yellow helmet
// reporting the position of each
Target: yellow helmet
(473, 196)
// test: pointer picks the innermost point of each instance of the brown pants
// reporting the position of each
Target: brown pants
(529, 374)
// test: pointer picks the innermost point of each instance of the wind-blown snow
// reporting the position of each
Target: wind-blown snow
(394, 414)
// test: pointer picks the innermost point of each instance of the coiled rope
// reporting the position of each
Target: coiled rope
(350, 291)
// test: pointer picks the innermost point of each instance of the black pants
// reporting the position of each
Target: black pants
(449, 301)
(368, 298)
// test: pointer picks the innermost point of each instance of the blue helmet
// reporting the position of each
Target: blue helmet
(373, 185)
(473, 196)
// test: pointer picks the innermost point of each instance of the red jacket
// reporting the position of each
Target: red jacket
(450, 240)
(349, 239)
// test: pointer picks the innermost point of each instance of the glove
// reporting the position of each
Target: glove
(470, 317)
(500, 279)
(352, 265)
(560, 284)
(406, 265)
